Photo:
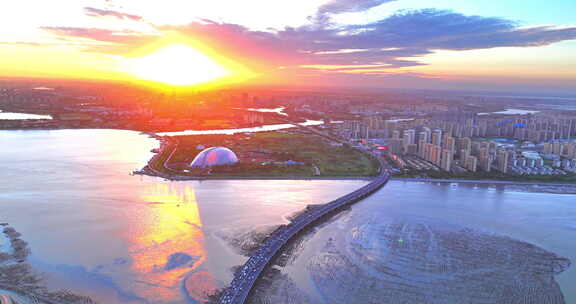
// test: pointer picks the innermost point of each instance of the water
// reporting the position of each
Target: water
(279, 110)
(512, 112)
(400, 119)
(20, 116)
(97, 230)
(546, 220)
(242, 130)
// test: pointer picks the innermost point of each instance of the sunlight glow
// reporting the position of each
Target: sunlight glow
(177, 64)
(171, 224)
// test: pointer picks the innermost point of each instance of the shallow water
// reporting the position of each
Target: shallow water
(545, 220)
(512, 112)
(242, 130)
(95, 229)
(21, 116)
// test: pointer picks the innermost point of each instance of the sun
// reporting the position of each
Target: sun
(179, 65)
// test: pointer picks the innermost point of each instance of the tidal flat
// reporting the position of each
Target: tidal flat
(415, 260)
(95, 230)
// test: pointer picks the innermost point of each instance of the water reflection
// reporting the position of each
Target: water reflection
(21, 116)
(122, 239)
(242, 130)
(168, 247)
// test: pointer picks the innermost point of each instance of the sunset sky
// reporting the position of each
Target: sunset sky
(510, 45)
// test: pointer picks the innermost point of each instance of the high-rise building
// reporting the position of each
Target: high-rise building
(428, 151)
(465, 143)
(422, 148)
(390, 127)
(412, 149)
(557, 148)
(502, 161)
(475, 148)
(570, 150)
(436, 155)
(450, 143)
(424, 136)
(522, 162)
(471, 163)
(446, 162)
(408, 139)
(428, 134)
(395, 145)
(485, 160)
(463, 155)
(437, 137)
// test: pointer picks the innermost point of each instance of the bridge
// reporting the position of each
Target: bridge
(245, 278)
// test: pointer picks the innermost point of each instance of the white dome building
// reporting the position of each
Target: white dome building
(215, 156)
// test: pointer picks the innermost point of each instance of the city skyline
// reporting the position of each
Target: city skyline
(379, 43)
(305, 151)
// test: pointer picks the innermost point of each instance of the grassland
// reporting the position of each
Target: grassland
(265, 155)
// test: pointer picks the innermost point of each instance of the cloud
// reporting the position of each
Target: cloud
(391, 43)
(41, 44)
(96, 34)
(387, 57)
(240, 42)
(447, 30)
(113, 42)
(323, 18)
(345, 6)
(95, 12)
(431, 29)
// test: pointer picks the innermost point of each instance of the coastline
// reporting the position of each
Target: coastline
(207, 178)
(165, 144)
(479, 181)
(362, 178)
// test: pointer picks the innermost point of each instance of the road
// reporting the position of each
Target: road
(246, 277)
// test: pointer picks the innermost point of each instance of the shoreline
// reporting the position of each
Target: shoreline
(209, 178)
(362, 178)
(365, 178)
(479, 181)
(165, 143)
(148, 171)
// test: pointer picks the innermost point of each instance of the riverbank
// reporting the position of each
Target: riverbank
(20, 280)
(479, 181)
(21, 119)
(270, 178)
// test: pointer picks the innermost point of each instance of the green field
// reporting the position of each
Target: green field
(311, 150)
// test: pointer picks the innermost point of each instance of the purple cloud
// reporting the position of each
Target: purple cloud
(344, 6)
(95, 12)
(441, 29)
(394, 42)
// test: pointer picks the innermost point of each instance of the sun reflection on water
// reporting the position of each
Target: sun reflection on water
(168, 249)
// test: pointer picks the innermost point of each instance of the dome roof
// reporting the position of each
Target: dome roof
(215, 156)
